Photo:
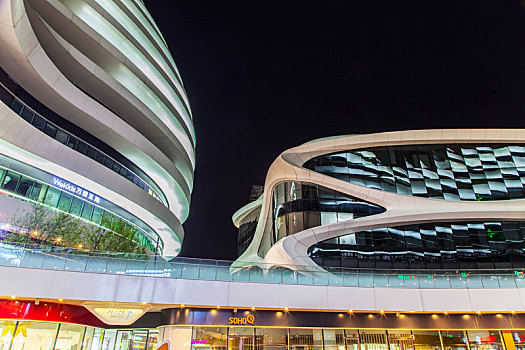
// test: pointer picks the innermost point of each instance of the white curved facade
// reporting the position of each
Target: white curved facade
(99, 73)
(395, 209)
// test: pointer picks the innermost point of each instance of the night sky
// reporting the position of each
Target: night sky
(264, 76)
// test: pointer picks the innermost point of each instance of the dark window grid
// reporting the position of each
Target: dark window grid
(52, 130)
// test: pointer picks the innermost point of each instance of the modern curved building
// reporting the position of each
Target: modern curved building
(424, 199)
(94, 117)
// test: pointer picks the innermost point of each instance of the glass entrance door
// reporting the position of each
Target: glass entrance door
(241, 342)
(352, 343)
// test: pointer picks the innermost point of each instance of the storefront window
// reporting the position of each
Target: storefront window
(334, 339)
(400, 340)
(34, 335)
(519, 339)
(272, 338)
(88, 338)
(140, 338)
(484, 340)
(209, 338)
(373, 340)
(153, 339)
(352, 340)
(98, 337)
(123, 340)
(110, 336)
(241, 338)
(306, 339)
(69, 337)
(427, 340)
(7, 329)
(454, 340)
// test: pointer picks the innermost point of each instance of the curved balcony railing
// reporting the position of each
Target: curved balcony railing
(55, 258)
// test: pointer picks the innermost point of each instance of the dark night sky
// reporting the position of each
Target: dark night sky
(264, 76)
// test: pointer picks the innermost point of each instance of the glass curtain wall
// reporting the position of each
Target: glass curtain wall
(441, 245)
(450, 172)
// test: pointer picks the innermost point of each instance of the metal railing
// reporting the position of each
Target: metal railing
(56, 258)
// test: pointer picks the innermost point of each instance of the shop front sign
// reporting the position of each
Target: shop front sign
(250, 319)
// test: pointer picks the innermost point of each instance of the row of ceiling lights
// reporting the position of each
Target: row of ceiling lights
(382, 312)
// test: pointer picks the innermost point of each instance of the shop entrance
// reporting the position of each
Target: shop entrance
(241, 342)
(352, 343)
(401, 344)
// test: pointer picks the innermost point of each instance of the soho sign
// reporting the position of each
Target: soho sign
(79, 191)
(250, 319)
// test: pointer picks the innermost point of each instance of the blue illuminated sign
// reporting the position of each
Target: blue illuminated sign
(77, 190)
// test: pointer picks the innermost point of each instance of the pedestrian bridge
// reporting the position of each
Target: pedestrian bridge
(51, 273)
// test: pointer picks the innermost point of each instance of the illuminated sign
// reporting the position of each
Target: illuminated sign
(250, 319)
(116, 315)
(77, 190)
(200, 342)
(406, 277)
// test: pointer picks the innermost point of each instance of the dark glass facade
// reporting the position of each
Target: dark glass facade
(433, 245)
(247, 230)
(79, 144)
(450, 172)
(298, 206)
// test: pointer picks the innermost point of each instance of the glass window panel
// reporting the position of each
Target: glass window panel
(24, 186)
(123, 341)
(64, 202)
(69, 337)
(10, 181)
(272, 338)
(484, 340)
(7, 328)
(52, 196)
(50, 130)
(427, 340)
(373, 339)
(28, 115)
(16, 106)
(213, 338)
(110, 337)
(306, 339)
(76, 206)
(82, 147)
(38, 335)
(87, 211)
(72, 142)
(61, 136)
(39, 122)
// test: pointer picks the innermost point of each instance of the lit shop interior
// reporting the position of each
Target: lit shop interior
(187, 328)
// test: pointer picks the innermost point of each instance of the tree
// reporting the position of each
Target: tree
(55, 227)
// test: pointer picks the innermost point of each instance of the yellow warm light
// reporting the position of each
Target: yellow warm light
(80, 246)
(350, 311)
(181, 305)
(253, 308)
(286, 309)
(382, 312)
(218, 306)
(58, 239)
(60, 300)
(13, 297)
(446, 312)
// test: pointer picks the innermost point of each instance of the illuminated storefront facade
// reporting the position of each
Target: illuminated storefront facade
(185, 328)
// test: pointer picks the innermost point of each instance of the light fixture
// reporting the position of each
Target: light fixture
(35, 233)
(382, 312)
(181, 305)
(37, 301)
(350, 311)
(253, 308)
(479, 312)
(398, 314)
(412, 311)
(13, 297)
(58, 239)
(446, 312)
(285, 309)
(513, 312)
(143, 303)
(60, 300)
(80, 246)
(218, 306)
